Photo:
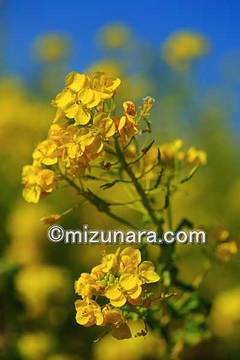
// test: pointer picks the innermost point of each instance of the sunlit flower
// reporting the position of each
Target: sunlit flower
(37, 182)
(225, 251)
(194, 156)
(127, 125)
(88, 313)
(46, 153)
(82, 93)
(170, 151)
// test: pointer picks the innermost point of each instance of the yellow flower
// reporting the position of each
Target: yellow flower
(147, 107)
(146, 272)
(67, 101)
(39, 284)
(104, 125)
(46, 153)
(131, 285)
(88, 313)
(35, 345)
(226, 250)
(221, 234)
(225, 314)
(183, 47)
(129, 259)
(170, 151)
(86, 285)
(115, 36)
(37, 182)
(195, 156)
(109, 262)
(82, 93)
(51, 47)
(126, 125)
(116, 296)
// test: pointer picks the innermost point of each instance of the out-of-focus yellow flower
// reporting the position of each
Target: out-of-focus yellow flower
(38, 182)
(19, 109)
(115, 36)
(225, 314)
(171, 151)
(221, 234)
(35, 346)
(194, 156)
(225, 251)
(51, 47)
(181, 48)
(39, 284)
(26, 233)
(88, 313)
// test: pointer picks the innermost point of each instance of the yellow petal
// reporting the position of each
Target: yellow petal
(76, 81)
(32, 194)
(119, 302)
(64, 99)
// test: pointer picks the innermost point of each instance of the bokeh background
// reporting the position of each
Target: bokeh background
(186, 55)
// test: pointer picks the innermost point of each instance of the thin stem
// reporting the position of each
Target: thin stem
(89, 196)
(137, 185)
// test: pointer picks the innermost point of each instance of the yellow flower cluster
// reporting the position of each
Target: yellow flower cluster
(226, 247)
(83, 123)
(120, 279)
(38, 182)
(82, 93)
(171, 152)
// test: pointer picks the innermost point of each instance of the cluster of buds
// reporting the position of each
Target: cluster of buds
(85, 121)
(119, 283)
(226, 246)
(172, 152)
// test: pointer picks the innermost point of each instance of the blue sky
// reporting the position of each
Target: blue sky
(150, 20)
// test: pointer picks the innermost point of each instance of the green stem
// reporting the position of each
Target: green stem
(103, 206)
(137, 184)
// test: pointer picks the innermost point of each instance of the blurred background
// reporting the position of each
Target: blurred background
(187, 56)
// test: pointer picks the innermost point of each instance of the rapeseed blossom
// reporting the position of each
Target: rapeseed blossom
(121, 278)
